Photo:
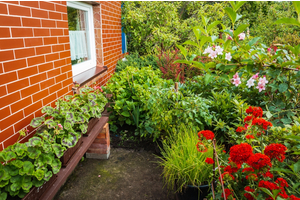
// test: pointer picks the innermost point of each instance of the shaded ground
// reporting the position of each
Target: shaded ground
(126, 175)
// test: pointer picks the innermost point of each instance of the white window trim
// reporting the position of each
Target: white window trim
(86, 65)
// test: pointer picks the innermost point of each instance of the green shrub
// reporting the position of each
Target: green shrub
(134, 60)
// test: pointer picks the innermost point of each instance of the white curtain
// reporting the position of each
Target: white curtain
(78, 44)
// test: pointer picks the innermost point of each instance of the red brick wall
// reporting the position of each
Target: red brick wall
(35, 64)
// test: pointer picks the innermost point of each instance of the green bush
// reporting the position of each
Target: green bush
(134, 60)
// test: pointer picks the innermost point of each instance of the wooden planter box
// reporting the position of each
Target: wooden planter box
(91, 125)
(69, 153)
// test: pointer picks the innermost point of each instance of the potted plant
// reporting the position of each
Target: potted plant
(185, 169)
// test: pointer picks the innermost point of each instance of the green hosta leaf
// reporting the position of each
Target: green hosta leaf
(48, 110)
(28, 168)
(183, 50)
(48, 175)
(17, 163)
(283, 87)
(58, 150)
(35, 141)
(39, 174)
(288, 21)
(33, 153)
(37, 122)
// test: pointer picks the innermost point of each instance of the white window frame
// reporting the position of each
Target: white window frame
(92, 62)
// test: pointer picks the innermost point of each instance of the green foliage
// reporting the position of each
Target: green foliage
(134, 60)
(168, 109)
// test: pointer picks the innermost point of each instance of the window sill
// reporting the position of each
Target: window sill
(86, 76)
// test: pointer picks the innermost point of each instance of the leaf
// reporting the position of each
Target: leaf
(289, 63)
(70, 140)
(58, 150)
(204, 40)
(212, 25)
(253, 41)
(239, 4)
(268, 192)
(182, 61)
(183, 50)
(33, 153)
(213, 38)
(240, 29)
(35, 122)
(191, 43)
(48, 110)
(3, 196)
(39, 174)
(286, 121)
(231, 13)
(283, 87)
(125, 114)
(48, 175)
(208, 78)
(268, 114)
(35, 141)
(197, 32)
(296, 167)
(288, 21)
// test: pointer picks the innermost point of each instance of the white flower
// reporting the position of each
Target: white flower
(219, 50)
(242, 36)
(207, 50)
(228, 56)
(250, 82)
(213, 54)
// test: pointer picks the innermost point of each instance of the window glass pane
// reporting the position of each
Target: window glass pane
(79, 32)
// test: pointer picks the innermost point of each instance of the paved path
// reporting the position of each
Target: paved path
(126, 175)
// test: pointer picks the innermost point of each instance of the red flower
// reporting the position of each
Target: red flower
(268, 185)
(227, 193)
(268, 174)
(292, 197)
(282, 182)
(249, 137)
(226, 176)
(240, 129)
(261, 122)
(255, 111)
(248, 118)
(209, 161)
(201, 147)
(248, 169)
(276, 151)
(224, 151)
(247, 195)
(259, 161)
(240, 153)
(209, 135)
(252, 177)
(231, 169)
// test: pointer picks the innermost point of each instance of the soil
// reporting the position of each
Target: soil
(128, 174)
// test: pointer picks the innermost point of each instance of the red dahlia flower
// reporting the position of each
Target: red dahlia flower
(247, 195)
(240, 153)
(276, 151)
(201, 147)
(209, 135)
(209, 161)
(259, 161)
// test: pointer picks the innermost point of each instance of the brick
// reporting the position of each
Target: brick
(18, 10)
(56, 32)
(35, 60)
(59, 63)
(47, 83)
(60, 78)
(53, 73)
(27, 72)
(67, 46)
(66, 68)
(29, 42)
(58, 47)
(43, 50)
(12, 2)
(55, 15)
(10, 21)
(30, 90)
(63, 39)
(13, 139)
(46, 5)
(17, 85)
(62, 92)
(27, 52)
(3, 91)
(31, 22)
(14, 65)
(8, 77)
(11, 120)
(45, 67)
(21, 104)
(61, 8)
(23, 123)
(4, 32)
(40, 95)
(11, 43)
(67, 82)
(48, 23)
(6, 55)
(39, 13)
(3, 8)
(21, 32)
(62, 24)
(51, 57)
(55, 88)
(49, 99)
(34, 107)
(50, 40)
(66, 31)
(64, 54)
(4, 112)
(30, 3)
(41, 32)
(6, 134)
(38, 78)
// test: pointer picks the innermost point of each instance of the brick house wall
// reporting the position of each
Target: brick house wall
(35, 62)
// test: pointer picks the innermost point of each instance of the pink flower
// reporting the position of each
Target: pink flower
(213, 54)
(60, 126)
(261, 87)
(219, 50)
(229, 37)
(236, 76)
(269, 49)
(242, 36)
(263, 80)
(255, 76)
(237, 81)
(208, 50)
(228, 56)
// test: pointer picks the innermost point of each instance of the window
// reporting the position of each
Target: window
(82, 38)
